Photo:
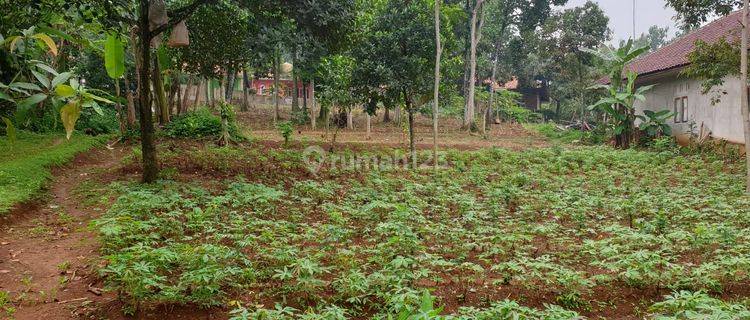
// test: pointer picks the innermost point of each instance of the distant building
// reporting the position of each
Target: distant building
(533, 96)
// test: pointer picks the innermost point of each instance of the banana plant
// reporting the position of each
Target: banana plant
(620, 99)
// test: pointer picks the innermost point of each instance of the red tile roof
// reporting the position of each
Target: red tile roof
(676, 53)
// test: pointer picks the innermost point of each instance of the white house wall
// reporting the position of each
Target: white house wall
(723, 119)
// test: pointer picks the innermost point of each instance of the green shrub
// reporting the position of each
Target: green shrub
(199, 124)
(285, 129)
(93, 123)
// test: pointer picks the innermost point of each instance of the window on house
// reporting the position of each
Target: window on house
(680, 109)
(261, 89)
(684, 109)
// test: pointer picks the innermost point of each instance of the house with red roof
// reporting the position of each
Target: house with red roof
(695, 113)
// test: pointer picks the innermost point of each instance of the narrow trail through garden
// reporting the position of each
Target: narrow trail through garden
(48, 254)
(47, 251)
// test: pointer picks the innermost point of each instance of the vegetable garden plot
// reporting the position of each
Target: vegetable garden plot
(547, 233)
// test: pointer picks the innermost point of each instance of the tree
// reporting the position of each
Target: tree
(475, 35)
(397, 56)
(656, 38)
(568, 69)
(510, 38)
(693, 13)
(436, 93)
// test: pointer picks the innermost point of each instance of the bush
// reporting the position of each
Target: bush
(553, 132)
(93, 123)
(199, 124)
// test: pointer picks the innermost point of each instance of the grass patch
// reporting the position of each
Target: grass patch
(25, 165)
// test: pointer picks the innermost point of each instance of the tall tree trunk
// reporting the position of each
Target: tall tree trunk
(231, 77)
(178, 102)
(304, 98)
(349, 119)
(174, 89)
(477, 22)
(467, 47)
(118, 107)
(398, 115)
(186, 95)
(197, 97)
(276, 63)
(412, 148)
(313, 103)
(387, 115)
(244, 90)
(148, 146)
(295, 89)
(369, 126)
(436, 91)
(131, 101)
(159, 94)
(744, 102)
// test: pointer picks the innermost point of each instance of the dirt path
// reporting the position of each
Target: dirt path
(47, 253)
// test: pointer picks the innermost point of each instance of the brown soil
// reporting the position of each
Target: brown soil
(48, 255)
(390, 134)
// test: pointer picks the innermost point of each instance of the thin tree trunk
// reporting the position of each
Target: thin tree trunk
(178, 102)
(412, 149)
(387, 115)
(436, 93)
(174, 89)
(131, 101)
(244, 90)
(138, 66)
(313, 103)
(304, 99)
(184, 104)
(398, 115)
(197, 97)
(477, 21)
(159, 94)
(276, 63)
(229, 89)
(349, 119)
(295, 86)
(744, 102)
(369, 127)
(148, 146)
(118, 107)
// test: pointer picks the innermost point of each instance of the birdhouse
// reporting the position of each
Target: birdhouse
(180, 37)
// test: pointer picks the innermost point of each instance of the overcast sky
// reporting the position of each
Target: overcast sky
(620, 12)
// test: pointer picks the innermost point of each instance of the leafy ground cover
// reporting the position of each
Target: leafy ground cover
(550, 233)
(25, 164)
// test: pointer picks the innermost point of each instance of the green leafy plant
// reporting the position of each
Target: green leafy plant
(654, 123)
(198, 124)
(286, 129)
